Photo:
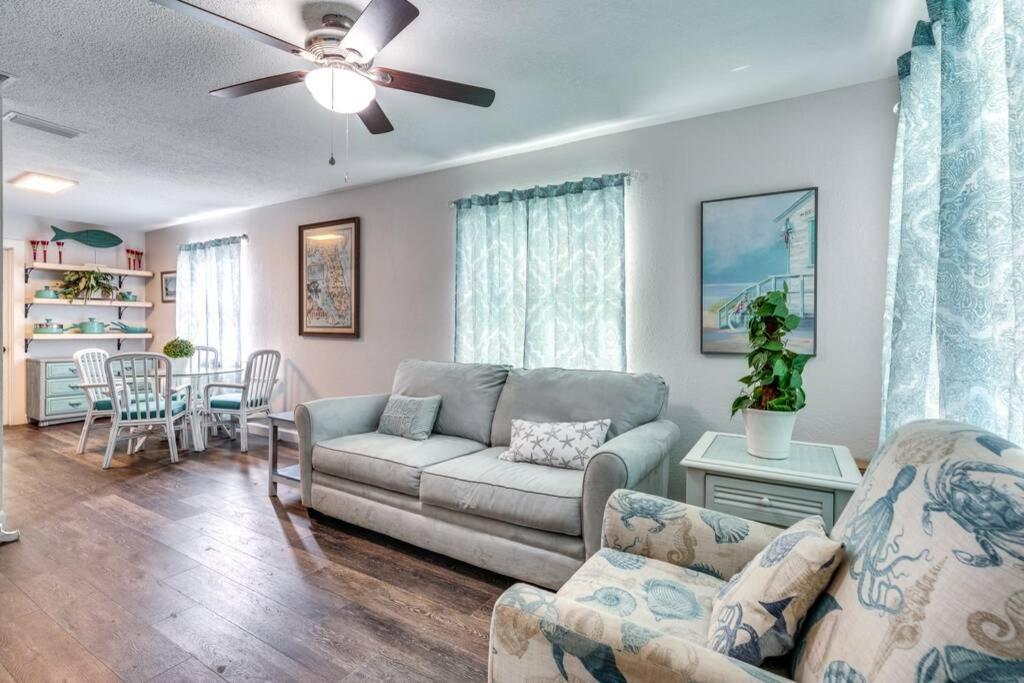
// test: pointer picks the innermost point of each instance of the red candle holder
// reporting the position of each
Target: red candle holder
(60, 252)
(45, 244)
(138, 259)
(35, 249)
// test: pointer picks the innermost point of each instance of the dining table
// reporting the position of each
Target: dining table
(198, 376)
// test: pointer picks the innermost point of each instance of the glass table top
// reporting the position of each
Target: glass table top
(804, 458)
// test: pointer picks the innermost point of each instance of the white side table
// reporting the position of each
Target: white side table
(816, 479)
(285, 475)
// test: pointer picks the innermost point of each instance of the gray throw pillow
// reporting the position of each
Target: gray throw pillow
(409, 417)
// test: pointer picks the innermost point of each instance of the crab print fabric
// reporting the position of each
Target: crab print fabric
(756, 614)
(686, 535)
(932, 587)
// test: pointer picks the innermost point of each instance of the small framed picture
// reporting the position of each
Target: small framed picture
(329, 278)
(752, 245)
(169, 286)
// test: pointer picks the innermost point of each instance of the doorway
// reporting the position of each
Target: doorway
(8, 336)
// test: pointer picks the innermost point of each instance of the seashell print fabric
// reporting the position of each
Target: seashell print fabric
(932, 585)
(756, 615)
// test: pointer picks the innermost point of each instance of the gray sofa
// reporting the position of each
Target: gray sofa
(453, 495)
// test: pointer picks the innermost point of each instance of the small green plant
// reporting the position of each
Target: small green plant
(84, 284)
(179, 348)
(775, 381)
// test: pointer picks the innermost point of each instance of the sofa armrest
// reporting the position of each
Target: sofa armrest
(537, 635)
(685, 535)
(622, 462)
(329, 418)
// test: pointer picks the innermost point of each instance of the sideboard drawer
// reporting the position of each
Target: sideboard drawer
(67, 386)
(59, 370)
(65, 405)
(778, 504)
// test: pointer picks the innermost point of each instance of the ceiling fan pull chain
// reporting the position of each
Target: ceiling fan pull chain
(331, 126)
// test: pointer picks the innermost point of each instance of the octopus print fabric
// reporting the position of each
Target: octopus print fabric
(756, 614)
(568, 445)
(932, 584)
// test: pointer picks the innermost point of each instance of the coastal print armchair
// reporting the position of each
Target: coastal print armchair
(930, 588)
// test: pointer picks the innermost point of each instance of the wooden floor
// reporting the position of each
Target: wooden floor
(157, 572)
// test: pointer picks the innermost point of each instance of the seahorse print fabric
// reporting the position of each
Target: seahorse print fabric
(931, 587)
(409, 417)
(568, 445)
(757, 613)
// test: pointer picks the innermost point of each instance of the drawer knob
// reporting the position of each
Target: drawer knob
(765, 501)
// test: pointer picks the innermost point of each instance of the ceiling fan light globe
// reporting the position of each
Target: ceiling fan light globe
(347, 94)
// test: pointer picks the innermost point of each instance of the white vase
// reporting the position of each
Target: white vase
(180, 365)
(769, 432)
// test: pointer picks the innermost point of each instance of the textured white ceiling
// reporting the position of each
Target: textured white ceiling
(134, 76)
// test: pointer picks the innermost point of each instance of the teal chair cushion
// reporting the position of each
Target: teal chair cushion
(102, 404)
(228, 401)
(153, 409)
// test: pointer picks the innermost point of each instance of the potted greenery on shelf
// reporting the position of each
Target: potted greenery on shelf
(774, 390)
(85, 284)
(179, 351)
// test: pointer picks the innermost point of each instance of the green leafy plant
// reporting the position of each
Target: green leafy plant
(84, 284)
(179, 348)
(775, 381)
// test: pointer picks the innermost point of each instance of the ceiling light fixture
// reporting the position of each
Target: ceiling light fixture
(40, 182)
(340, 89)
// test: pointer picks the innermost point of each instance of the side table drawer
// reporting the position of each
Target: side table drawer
(777, 504)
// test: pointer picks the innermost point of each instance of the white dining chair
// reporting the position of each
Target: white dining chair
(250, 398)
(143, 397)
(92, 380)
(207, 357)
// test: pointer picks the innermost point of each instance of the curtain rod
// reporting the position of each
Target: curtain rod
(630, 177)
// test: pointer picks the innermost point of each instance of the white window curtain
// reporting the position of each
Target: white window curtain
(211, 291)
(540, 276)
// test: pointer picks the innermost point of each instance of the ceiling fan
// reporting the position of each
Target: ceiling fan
(344, 79)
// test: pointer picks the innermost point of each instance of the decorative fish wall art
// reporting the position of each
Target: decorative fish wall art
(101, 239)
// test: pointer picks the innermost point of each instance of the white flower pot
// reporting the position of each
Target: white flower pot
(769, 432)
(180, 365)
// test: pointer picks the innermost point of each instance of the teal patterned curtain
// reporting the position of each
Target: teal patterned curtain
(540, 276)
(954, 344)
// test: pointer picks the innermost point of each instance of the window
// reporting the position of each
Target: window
(211, 288)
(540, 276)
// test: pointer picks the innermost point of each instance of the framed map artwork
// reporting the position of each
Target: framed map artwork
(329, 278)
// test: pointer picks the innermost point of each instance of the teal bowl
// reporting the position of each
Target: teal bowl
(46, 293)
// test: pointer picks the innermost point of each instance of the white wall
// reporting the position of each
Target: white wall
(18, 230)
(842, 141)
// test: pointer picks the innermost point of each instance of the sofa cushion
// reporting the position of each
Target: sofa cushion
(522, 493)
(556, 395)
(469, 393)
(409, 417)
(556, 444)
(389, 462)
(654, 597)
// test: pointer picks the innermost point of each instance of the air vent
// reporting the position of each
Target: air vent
(41, 125)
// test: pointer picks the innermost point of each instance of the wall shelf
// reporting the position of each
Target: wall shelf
(121, 273)
(119, 305)
(119, 337)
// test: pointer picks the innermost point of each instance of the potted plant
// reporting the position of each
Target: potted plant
(85, 284)
(179, 351)
(774, 387)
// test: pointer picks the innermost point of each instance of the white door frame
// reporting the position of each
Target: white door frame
(8, 335)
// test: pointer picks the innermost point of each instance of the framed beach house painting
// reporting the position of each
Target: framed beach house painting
(329, 278)
(756, 244)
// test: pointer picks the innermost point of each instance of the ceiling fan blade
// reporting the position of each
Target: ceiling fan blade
(381, 21)
(260, 84)
(375, 119)
(223, 22)
(435, 87)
